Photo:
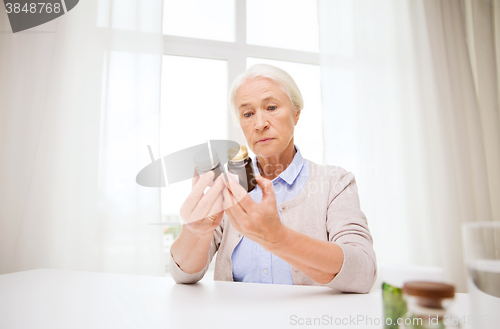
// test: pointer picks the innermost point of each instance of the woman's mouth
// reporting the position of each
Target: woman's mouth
(265, 140)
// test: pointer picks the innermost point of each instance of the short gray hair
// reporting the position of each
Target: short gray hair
(279, 76)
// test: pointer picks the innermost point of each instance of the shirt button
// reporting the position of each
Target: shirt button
(266, 271)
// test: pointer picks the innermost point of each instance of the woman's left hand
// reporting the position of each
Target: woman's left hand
(259, 222)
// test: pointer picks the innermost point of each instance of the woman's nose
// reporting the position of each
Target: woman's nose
(261, 121)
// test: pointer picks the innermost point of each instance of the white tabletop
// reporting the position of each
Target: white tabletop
(68, 299)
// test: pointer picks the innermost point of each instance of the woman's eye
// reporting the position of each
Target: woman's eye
(247, 115)
(272, 108)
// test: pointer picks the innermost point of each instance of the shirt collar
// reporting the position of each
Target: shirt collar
(291, 172)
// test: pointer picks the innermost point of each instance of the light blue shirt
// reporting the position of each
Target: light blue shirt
(251, 262)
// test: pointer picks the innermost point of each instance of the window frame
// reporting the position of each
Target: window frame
(234, 53)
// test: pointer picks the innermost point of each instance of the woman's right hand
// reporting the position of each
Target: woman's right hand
(202, 213)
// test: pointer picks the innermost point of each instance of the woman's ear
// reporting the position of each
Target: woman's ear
(297, 115)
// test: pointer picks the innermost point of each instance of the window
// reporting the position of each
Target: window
(207, 44)
(211, 20)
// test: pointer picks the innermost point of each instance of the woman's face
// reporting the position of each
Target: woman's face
(266, 115)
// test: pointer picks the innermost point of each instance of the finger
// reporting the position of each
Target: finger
(240, 195)
(238, 210)
(236, 189)
(246, 203)
(218, 220)
(197, 192)
(216, 212)
(196, 178)
(227, 199)
(217, 206)
(267, 189)
(219, 215)
(207, 201)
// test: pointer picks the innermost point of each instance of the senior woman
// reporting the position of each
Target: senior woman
(302, 224)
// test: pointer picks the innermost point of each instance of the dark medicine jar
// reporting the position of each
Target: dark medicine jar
(241, 164)
(204, 162)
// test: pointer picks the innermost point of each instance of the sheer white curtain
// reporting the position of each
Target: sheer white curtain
(402, 113)
(79, 104)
